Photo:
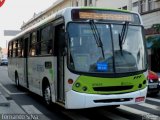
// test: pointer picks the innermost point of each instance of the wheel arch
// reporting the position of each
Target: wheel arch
(45, 81)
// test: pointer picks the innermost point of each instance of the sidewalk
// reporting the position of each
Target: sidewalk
(7, 105)
(9, 109)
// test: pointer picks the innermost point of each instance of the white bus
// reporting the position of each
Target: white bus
(82, 57)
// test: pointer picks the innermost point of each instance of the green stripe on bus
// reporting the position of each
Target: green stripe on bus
(109, 9)
(51, 73)
(96, 85)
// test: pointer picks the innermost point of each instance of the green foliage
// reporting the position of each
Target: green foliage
(155, 38)
(156, 27)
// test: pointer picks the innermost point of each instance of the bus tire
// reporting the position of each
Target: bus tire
(17, 80)
(47, 95)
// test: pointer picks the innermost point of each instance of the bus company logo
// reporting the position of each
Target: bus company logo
(1, 2)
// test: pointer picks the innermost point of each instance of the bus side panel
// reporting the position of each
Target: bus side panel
(11, 69)
(21, 65)
(16, 66)
(38, 70)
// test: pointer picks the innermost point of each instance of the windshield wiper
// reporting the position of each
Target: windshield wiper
(122, 36)
(97, 36)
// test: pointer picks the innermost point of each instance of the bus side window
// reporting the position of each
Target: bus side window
(46, 40)
(19, 47)
(22, 47)
(15, 48)
(33, 42)
(10, 50)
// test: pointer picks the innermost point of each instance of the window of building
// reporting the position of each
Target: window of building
(90, 3)
(135, 4)
(76, 3)
(142, 6)
(85, 2)
(124, 8)
(150, 5)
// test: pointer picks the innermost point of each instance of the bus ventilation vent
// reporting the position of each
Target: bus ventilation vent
(113, 88)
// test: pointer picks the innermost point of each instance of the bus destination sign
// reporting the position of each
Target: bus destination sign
(105, 15)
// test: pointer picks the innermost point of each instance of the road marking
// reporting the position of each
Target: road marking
(153, 99)
(150, 106)
(19, 93)
(138, 112)
(5, 89)
(30, 109)
(111, 115)
(74, 116)
(14, 108)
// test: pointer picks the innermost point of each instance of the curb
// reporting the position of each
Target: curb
(4, 97)
(4, 101)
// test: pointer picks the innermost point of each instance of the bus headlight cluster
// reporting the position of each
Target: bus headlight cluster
(78, 85)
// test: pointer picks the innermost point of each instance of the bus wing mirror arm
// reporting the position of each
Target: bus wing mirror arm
(66, 38)
(63, 40)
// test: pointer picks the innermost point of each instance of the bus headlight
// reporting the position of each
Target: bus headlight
(84, 88)
(77, 84)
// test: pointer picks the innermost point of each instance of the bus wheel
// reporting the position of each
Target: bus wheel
(17, 80)
(47, 95)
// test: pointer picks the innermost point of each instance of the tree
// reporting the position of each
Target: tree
(156, 27)
(153, 43)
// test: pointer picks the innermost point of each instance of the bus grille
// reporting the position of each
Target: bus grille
(113, 88)
(113, 100)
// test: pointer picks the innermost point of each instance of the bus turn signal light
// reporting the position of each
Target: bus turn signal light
(140, 99)
(70, 81)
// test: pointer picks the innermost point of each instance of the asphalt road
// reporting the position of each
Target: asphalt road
(27, 100)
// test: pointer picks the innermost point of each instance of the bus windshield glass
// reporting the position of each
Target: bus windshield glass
(119, 55)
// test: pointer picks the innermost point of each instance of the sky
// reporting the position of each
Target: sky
(14, 12)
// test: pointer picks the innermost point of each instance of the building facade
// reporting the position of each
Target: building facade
(149, 9)
(150, 12)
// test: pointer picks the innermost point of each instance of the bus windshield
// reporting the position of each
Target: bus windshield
(120, 56)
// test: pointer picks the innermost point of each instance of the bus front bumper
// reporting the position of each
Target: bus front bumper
(76, 100)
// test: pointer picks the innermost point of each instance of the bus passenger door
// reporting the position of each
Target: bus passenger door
(26, 41)
(59, 30)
